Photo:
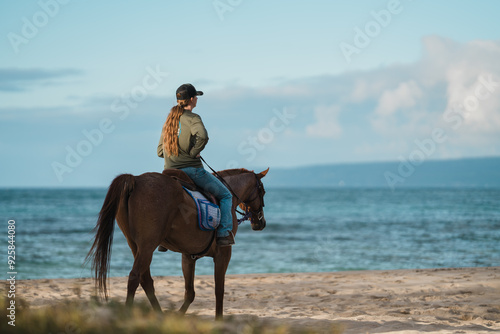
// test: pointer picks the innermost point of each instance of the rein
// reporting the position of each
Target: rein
(248, 212)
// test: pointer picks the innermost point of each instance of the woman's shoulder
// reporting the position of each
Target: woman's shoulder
(191, 116)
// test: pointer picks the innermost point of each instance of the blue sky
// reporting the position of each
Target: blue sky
(85, 86)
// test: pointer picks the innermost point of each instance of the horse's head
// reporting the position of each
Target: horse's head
(255, 203)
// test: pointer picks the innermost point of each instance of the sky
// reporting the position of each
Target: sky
(85, 86)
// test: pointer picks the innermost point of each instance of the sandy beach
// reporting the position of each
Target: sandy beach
(461, 300)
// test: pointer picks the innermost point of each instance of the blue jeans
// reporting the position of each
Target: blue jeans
(213, 185)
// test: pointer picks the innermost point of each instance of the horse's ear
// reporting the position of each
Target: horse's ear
(263, 173)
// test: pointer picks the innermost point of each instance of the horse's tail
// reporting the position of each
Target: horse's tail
(100, 253)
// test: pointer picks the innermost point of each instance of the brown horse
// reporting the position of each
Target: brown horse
(152, 209)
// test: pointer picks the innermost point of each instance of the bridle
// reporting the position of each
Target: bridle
(259, 192)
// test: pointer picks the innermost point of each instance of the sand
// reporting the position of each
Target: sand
(461, 300)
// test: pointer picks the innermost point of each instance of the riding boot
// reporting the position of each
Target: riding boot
(226, 241)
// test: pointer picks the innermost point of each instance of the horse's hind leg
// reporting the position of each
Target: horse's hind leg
(188, 266)
(148, 286)
(141, 266)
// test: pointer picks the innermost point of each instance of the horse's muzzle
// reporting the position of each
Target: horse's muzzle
(258, 225)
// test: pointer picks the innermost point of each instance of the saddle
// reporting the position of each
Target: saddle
(186, 182)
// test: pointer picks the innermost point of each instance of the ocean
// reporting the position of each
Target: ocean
(308, 230)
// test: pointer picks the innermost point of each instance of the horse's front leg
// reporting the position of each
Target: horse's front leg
(221, 260)
(188, 266)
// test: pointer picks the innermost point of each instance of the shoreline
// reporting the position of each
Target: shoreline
(444, 300)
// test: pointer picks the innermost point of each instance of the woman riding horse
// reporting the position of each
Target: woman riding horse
(152, 209)
(182, 139)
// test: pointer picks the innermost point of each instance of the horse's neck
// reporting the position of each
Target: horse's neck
(239, 184)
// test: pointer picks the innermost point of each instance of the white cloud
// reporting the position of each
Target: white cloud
(327, 125)
(403, 97)
(397, 103)
(460, 66)
(455, 86)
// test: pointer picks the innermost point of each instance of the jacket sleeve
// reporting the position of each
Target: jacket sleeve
(200, 135)
(159, 150)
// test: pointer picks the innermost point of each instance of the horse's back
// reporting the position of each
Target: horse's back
(156, 186)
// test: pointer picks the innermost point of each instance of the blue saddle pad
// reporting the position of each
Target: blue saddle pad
(208, 212)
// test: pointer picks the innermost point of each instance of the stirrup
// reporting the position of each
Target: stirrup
(226, 241)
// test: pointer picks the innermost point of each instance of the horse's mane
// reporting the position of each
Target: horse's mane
(235, 171)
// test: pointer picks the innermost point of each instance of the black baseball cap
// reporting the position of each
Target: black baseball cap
(187, 91)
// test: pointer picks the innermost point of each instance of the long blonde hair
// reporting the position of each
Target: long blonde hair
(171, 129)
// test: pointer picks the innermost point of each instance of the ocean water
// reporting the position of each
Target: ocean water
(308, 230)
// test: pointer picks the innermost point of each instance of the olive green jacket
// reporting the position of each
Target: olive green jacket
(192, 140)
